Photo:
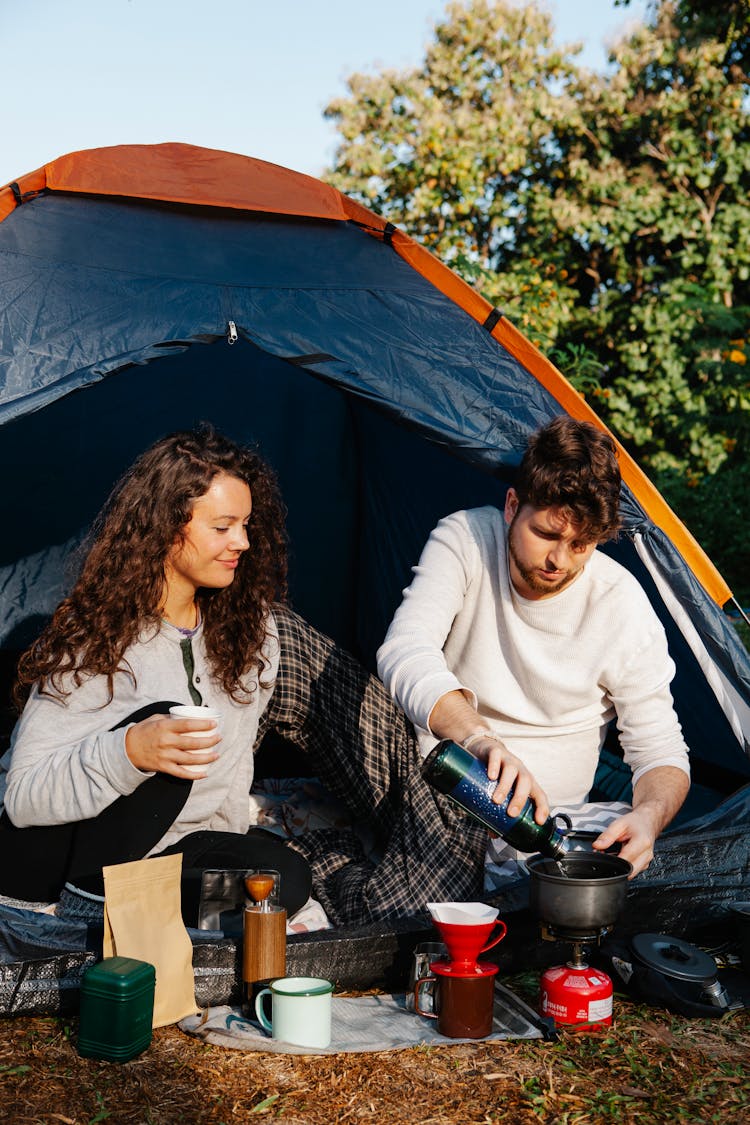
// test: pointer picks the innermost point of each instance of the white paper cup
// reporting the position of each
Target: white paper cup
(187, 711)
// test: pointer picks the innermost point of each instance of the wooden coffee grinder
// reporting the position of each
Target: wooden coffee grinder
(264, 937)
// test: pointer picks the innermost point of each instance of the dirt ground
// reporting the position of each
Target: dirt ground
(650, 1066)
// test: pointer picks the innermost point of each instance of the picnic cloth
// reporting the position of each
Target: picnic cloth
(365, 1023)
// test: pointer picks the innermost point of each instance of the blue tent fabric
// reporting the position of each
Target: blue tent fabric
(122, 284)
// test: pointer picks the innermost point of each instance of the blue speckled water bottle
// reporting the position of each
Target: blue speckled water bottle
(462, 777)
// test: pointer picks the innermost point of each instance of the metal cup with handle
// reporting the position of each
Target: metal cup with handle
(424, 954)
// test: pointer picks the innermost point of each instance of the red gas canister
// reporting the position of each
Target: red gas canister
(576, 995)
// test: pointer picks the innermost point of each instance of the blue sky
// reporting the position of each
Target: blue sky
(248, 76)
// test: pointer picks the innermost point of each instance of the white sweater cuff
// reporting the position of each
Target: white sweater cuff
(125, 776)
(677, 760)
(455, 685)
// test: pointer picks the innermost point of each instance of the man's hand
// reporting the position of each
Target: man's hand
(454, 717)
(657, 798)
(159, 744)
(636, 833)
(509, 771)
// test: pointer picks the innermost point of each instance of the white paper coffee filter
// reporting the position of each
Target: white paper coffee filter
(463, 913)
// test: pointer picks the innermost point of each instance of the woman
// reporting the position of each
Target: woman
(172, 606)
(179, 601)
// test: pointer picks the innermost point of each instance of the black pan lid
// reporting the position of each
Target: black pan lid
(673, 957)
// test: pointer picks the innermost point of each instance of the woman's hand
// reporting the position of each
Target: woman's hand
(161, 744)
(509, 771)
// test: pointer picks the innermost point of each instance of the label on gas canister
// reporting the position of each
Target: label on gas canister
(600, 1009)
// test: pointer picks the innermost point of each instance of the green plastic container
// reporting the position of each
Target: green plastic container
(117, 1009)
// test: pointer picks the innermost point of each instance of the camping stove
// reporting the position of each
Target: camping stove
(575, 935)
(577, 900)
(574, 994)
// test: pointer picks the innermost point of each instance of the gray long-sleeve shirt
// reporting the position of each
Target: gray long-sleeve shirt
(65, 763)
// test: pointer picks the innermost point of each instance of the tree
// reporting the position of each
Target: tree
(445, 151)
(728, 22)
(653, 210)
(610, 219)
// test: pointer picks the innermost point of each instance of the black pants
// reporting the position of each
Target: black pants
(36, 862)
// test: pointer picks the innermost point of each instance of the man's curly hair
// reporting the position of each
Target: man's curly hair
(573, 466)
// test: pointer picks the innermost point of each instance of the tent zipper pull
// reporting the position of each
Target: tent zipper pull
(232, 336)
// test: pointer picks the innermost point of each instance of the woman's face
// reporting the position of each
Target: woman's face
(214, 538)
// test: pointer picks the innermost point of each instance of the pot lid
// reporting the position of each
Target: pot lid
(673, 957)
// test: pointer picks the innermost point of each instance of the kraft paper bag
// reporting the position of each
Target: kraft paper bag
(143, 919)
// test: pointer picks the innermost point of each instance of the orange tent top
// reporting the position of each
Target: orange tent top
(180, 173)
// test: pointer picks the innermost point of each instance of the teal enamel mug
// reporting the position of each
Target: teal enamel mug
(300, 1010)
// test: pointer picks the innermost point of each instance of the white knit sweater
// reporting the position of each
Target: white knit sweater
(548, 675)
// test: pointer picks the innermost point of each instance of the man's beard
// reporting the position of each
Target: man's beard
(529, 576)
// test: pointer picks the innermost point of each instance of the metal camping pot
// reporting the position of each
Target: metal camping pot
(581, 892)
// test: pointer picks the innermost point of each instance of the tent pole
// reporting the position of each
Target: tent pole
(740, 610)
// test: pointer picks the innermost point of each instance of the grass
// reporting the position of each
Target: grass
(649, 1067)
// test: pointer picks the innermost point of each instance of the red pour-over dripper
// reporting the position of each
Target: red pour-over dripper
(466, 942)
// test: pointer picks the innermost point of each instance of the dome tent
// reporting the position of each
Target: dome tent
(146, 288)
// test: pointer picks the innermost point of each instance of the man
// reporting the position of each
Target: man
(520, 641)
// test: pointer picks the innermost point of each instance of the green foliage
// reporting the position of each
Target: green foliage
(715, 510)
(445, 151)
(609, 219)
(657, 220)
(728, 22)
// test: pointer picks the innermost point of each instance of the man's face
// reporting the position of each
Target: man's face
(546, 550)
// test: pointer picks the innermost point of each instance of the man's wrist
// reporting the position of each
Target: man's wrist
(475, 736)
(654, 814)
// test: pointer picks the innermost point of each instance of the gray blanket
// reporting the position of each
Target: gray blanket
(364, 1023)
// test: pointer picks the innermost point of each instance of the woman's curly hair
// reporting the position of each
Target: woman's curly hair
(121, 585)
